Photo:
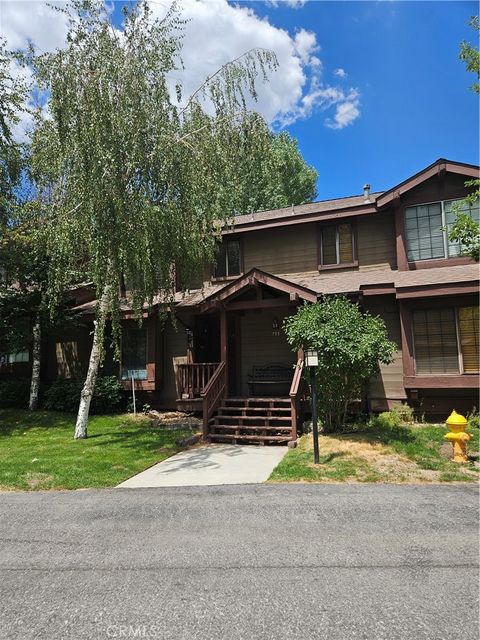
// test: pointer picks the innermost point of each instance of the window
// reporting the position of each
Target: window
(14, 358)
(468, 332)
(134, 353)
(228, 259)
(336, 242)
(446, 340)
(427, 227)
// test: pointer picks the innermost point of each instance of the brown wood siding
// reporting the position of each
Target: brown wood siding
(67, 355)
(174, 346)
(388, 384)
(279, 251)
(258, 346)
(376, 242)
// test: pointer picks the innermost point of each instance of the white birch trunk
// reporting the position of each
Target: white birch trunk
(36, 353)
(93, 364)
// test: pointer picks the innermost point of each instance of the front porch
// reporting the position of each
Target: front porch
(240, 373)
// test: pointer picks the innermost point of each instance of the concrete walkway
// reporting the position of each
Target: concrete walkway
(211, 464)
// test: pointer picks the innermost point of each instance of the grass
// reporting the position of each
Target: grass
(37, 450)
(378, 454)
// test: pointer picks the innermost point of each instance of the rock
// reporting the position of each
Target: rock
(188, 442)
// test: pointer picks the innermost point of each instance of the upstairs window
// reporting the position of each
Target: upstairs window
(427, 227)
(228, 259)
(446, 340)
(336, 244)
(134, 353)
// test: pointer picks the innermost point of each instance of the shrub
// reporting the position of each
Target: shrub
(386, 420)
(473, 419)
(14, 393)
(64, 395)
(350, 344)
(404, 412)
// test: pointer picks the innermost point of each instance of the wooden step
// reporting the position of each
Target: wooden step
(255, 410)
(255, 400)
(236, 427)
(232, 436)
(259, 418)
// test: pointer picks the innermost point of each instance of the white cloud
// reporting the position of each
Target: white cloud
(295, 4)
(30, 20)
(305, 45)
(346, 112)
(340, 73)
(215, 33)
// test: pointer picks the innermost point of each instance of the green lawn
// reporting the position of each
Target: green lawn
(378, 454)
(37, 450)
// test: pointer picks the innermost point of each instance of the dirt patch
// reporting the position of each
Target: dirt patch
(174, 420)
(378, 458)
(35, 480)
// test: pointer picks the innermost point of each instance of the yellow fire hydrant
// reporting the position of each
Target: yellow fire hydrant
(457, 436)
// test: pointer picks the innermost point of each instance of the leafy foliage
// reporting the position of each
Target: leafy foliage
(14, 393)
(471, 55)
(131, 180)
(64, 395)
(13, 92)
(466, 230)
(350, 344)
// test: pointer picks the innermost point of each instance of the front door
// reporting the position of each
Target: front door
(207, 338)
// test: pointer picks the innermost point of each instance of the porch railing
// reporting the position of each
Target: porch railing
(193, 377)
(213, 393)
(296, 396)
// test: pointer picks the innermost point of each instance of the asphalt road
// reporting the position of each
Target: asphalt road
(373, 562)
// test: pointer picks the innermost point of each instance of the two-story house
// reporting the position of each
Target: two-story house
(228, 356)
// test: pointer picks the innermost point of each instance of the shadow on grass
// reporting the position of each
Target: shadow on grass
(384, 435)
(12, 420)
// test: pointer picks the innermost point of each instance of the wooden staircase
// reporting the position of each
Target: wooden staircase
(252, 420)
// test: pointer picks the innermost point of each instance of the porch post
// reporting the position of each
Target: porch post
(223, 336)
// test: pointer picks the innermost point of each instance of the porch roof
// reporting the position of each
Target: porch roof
(310, 286)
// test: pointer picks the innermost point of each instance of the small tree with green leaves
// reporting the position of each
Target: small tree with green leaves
(350, 344)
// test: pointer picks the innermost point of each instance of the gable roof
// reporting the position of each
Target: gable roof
(436, 168)
(254, 277)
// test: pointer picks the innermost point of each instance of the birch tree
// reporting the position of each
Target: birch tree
(132, 174)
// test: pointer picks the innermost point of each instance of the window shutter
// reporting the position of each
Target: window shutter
(345, 243)
(468, 330)
(435, 338)
(329, 245)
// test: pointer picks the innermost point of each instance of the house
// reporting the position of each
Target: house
(227, 355)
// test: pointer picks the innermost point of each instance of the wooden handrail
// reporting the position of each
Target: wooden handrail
(213, 393)
(192, 377)
(295, 396)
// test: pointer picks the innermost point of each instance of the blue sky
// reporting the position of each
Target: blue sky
(414, 99)
(373, 91)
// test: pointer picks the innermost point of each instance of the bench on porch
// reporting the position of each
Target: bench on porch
(270, 375)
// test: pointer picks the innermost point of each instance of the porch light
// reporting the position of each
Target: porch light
(311, 358)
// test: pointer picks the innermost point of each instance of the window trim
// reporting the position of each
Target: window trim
(338, 265)
(413, 261)
(215, 278)
(461, 372)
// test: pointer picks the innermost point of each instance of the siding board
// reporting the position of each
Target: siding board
(388, 384)
(258, 346)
